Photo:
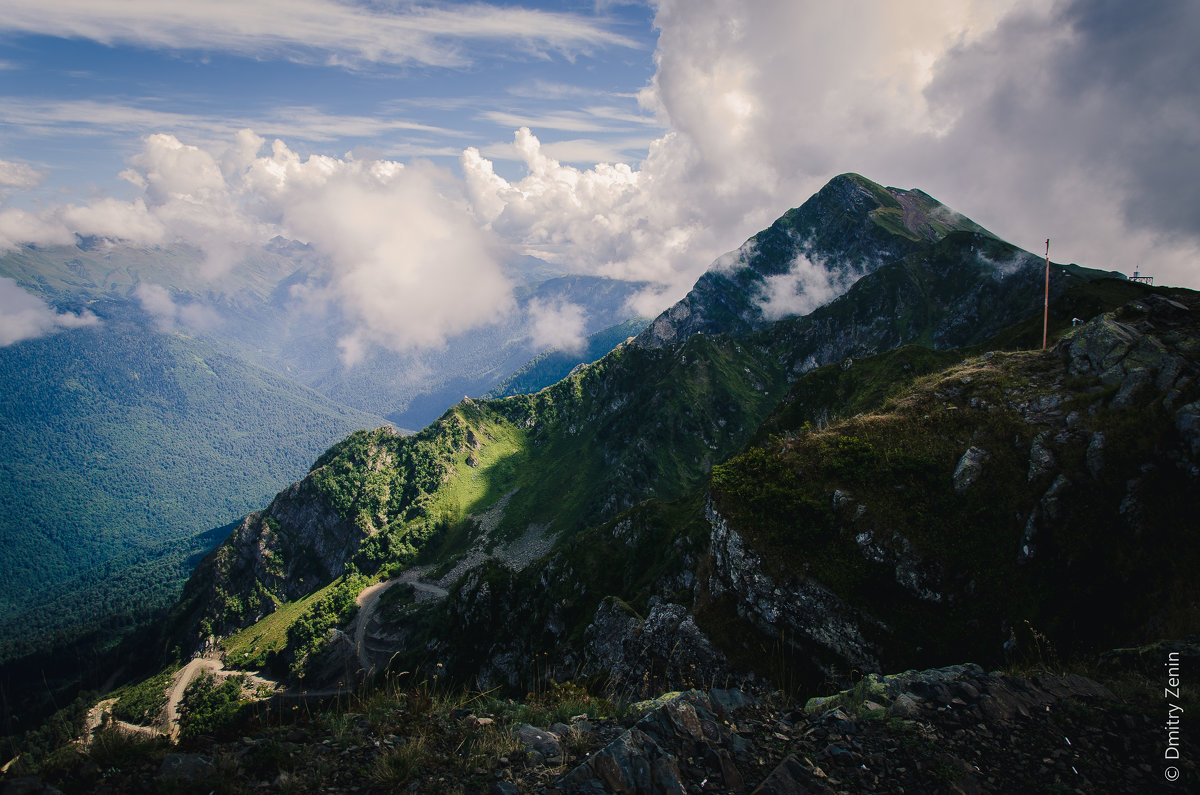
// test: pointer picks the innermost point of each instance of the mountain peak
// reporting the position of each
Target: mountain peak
(809, 256)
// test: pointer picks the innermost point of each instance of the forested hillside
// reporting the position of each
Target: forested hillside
(121, 441)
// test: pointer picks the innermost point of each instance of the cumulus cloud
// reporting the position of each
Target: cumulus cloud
(556, 324)
(112, 218)
(761, 100)
(408, 259)
(24, 316)
(18, 226)
(601, 220)
(1075, 120)
(405, 258)
(18, 175)
(1090, 113)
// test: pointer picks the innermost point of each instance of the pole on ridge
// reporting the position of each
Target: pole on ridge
(1046, 313)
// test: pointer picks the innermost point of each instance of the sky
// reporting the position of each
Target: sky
(421, 146)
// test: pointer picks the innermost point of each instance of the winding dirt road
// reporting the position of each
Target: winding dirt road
(368, 604)
(175, 695)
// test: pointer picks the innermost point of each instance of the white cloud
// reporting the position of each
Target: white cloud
(97, 118)
(596, 119)
(406, 259)
(156, 300)
(18, 226)
(314, 30)
(805, 286)
(559, 324)
(409, 260)
(24, 316)
(762, 100)
(19, 175)
(1037, 120)
(113, 218)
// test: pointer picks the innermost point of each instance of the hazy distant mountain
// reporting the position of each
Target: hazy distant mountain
(260, 307)
(189, 402)
(119, 439)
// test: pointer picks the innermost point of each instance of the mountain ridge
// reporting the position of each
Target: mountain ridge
(709, 396)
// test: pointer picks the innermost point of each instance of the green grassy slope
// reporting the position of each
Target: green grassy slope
(888, 430)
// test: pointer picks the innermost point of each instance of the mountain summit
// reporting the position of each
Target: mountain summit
(808, 257)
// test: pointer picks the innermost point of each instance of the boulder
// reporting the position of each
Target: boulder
(970, 468)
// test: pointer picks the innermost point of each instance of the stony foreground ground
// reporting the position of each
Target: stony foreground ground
(956, 729)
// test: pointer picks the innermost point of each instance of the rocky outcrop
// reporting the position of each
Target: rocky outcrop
(1035, 470)
(920, 577)
(955, 729)
(684, 740)
(800, 610)
(297, 545)
(1142, 347)
(664, 651)
(970, 468)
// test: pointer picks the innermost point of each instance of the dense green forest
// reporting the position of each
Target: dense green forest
(122, 445)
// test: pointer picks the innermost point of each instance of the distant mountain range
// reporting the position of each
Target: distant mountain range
(122, 445)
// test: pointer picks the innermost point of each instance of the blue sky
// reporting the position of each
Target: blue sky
(430, 143)
(76, 107)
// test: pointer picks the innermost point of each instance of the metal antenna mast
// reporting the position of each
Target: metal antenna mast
(1046, 313)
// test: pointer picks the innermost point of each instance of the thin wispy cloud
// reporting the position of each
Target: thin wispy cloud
(314, 31)
(99, 117)
(587, 151)
(549, 90)
(589, 120)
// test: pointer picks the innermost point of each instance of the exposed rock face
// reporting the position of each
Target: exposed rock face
(296, 546)
(1041, 457)
(1137, 349)
(665, 750)
(664, 651)
(801, 611)
(918, 576)
(1187, 422)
